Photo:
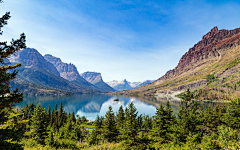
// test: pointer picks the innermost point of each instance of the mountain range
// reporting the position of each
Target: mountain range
(211, 69)
(125, 85)
(48, 75)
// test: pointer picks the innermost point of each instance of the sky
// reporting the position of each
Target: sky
(135, 40)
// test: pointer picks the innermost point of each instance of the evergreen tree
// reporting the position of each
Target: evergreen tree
(163, 120)
(120, 118)
(78, 120)
(232, 117)
(69, 115)
(7, 97)
(98, 125)
(129, 133)
(50, 138)
(188, 119)
(49, 113)
(60, 115)
(27, 113)
(93, 139)
(110, 131)
(146, 124)
(32, 107)
(208, 119)
(55, 119)
(39, 124)
(76, 133)
(73, 119)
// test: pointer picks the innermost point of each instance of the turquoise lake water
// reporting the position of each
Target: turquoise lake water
(91, 105)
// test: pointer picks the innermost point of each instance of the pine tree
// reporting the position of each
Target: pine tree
(39, 124)
(7, 97)
(60, 115)
(120, 118)
(146, 124)
(49, 114)
(93, 139)
(32, 107)
(55, 118)
(187, 119)
(76, 133)
(98, 125)
(50, 138)
(163, 120)
(129, 133)
(73, 119)
(232, 117)
(110, 131)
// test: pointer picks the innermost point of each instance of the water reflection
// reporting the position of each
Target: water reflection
(91, 105)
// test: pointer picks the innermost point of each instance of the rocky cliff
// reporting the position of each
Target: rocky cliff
(68, 71)
(96, 79)
(31, 58)
(205, 49)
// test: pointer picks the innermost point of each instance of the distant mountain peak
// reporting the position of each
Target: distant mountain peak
(96, 79)
(125, 85)
(92, 77)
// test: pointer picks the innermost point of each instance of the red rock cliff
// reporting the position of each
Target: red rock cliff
(206, 48)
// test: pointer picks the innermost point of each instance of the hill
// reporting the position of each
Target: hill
(210, 69)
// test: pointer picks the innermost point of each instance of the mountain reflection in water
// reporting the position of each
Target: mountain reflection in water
(91, 105)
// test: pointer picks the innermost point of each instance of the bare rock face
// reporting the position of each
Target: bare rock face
(67, 71)
(31, 58)
(92, 77)
(96, 79)
(205, 49)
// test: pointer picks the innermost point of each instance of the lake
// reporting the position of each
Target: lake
(91, 105)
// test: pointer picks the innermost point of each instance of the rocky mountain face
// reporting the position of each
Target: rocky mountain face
(68, 71)
(211, 69)
(125, 85)
(205, 49)
(37, 71)
(31, 58)
(96, 79)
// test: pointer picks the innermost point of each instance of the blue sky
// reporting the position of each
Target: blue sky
(122, 39)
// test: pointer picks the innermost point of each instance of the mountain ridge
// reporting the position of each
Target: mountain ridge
(68, 71)
(37, 71)
(207, 66)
